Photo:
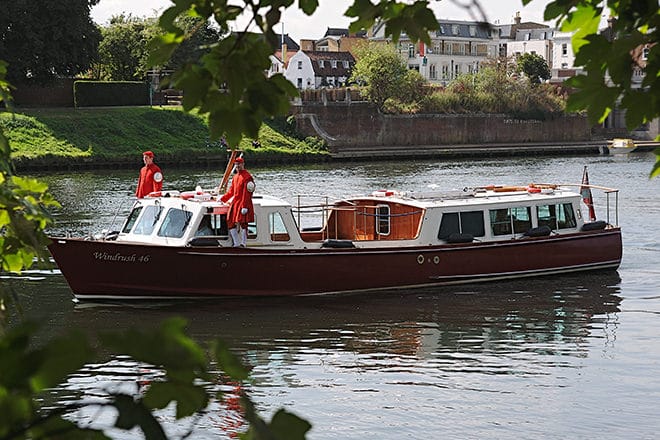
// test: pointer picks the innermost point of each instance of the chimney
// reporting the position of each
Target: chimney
(516, 19)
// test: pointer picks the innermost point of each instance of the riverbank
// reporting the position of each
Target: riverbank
(65, 138)
(113, 138)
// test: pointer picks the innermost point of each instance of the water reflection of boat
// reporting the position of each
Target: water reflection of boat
(177, 244)
(407, 322)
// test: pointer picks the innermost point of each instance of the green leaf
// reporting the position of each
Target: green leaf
(288, 426)
(308, 6)
(133, 413)
(655, 171)
(189, 398)
(62, 356)
(228, 362)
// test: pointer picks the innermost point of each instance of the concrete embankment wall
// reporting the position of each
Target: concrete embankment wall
(359, 126)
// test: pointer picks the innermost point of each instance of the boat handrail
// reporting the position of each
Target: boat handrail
(607, 192)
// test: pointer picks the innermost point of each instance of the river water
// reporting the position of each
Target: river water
(575, 356)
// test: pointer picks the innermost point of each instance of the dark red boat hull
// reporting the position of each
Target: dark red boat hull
(110, 269)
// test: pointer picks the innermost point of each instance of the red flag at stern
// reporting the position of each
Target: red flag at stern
(587, 198)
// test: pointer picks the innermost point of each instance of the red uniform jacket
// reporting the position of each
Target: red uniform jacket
(151, 179)
(242, 198)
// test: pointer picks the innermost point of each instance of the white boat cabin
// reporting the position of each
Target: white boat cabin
(381, 219)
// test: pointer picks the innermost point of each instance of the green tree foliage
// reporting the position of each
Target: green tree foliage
(123, 49)
(534, 67)
(200, 36)
(381, 70)
(41, 39)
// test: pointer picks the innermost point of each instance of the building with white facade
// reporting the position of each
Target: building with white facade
(316, 69)
(458, 47)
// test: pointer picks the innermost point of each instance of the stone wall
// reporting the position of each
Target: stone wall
(358, 125)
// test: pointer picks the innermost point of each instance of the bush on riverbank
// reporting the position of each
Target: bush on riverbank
(114, 136)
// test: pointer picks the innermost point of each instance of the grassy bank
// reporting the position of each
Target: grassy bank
(111, 137)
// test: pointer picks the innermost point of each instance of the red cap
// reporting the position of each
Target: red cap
(148, 153)
(239, 160)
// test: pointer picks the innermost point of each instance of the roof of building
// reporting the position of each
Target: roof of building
(327, 58)
(290, 44)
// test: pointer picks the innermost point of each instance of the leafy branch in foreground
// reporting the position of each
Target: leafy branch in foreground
(613, 58)
(186, 381)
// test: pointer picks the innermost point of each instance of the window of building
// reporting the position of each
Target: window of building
(299, 82)
(321, 64)
(564, 50)
(346, 65)
(527, 37)
(411, 51)
(333, 63)
(645, 53)
(473, 30)
(299, 65)
(432, 71)
(454, 29)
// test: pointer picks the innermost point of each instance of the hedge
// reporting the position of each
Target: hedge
(110, 93)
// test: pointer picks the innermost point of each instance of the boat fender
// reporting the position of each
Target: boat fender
(540, 231)
(457, 237)
(337, 244)
(204, 241)
(111, 236)
(594, 226)
(533, 190)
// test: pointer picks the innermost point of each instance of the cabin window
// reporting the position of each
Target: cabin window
(508, 221)
(522, 219)
(175, 223)
(556, 216)
(500, 221)
(471, 222)
(277, 228)
(130, 221)
(148, 219)
(212, 225)
(383, 220)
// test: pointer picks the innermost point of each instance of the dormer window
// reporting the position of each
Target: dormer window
(454, 29)
(333, 63)
(321, 64)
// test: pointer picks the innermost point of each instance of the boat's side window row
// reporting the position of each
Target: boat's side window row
(507, 221)
(471, 222)
(556, 217)
(213, 225)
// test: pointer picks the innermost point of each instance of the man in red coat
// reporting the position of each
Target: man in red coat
(151, 177)
(241, 211)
